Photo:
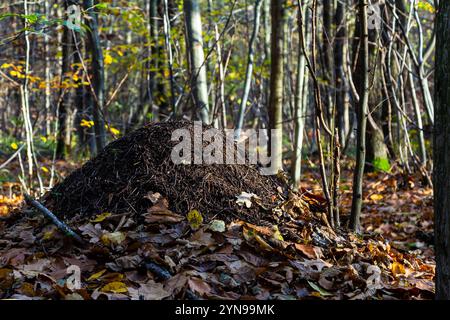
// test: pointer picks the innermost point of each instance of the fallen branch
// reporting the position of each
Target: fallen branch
(61, 225)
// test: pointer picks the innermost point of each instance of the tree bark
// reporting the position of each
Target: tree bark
(339, 61)
(98, 76)
(249, 71)
(276, 82)
(441, 174)
(197, 58)
(362, 74)
(63, 143)
(299, 111)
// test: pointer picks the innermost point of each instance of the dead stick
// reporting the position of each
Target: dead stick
(61, 225)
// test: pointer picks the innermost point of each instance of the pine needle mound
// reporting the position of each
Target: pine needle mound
(121, 178)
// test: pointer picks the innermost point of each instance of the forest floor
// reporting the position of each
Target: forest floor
(171, 256)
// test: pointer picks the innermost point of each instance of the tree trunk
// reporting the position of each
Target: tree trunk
(98, 77)
(197, 58)
(328, 73)
(63, 145)
(299, 111)
(249, 71)
(276, 83)
(441, 146)
(362, 84)
(339, 61)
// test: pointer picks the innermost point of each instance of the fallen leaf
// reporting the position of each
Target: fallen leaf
(154, 197)
(321, 291)
(161, 215)
(245, 198)
(199, 286)
(217, 226)
(97, 275)
(397, 268)
(195, 219)
(149, 291)
(113, 238)
(308, 250)
(115, 287)
(101, 217)
(376, 197)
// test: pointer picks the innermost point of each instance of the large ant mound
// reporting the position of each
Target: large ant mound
(128, 171)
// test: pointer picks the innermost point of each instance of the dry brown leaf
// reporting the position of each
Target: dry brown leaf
(309, 251)
(199, 286)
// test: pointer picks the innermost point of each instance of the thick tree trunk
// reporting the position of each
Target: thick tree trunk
(441, 146)
(197, 58)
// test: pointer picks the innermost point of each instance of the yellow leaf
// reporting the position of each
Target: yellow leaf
(97, 275)
(195, 219)
(48, 235)
(101, 217)
(114, 131)
(397, 268)
(376, 197)
(44, 169)
(277, 234)
(6, 65)
(120, 53)
(43, 139)
(108, 59)
(14, 146)
(166, 73)
(263, 243)
(14, 73)
(87, 123)
(115, 287)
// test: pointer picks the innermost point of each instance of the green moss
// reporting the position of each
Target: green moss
(381, 164)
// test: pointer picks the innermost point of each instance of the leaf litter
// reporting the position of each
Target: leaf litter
(152, 243)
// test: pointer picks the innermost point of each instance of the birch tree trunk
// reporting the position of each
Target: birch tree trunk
(299, 112)
(197, 58)
(441, 146)
(276, 83)
(249, 71)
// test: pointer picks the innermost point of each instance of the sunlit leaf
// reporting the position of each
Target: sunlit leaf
(101, 217)
(96, 275)
(115, 287)
(195, 219)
